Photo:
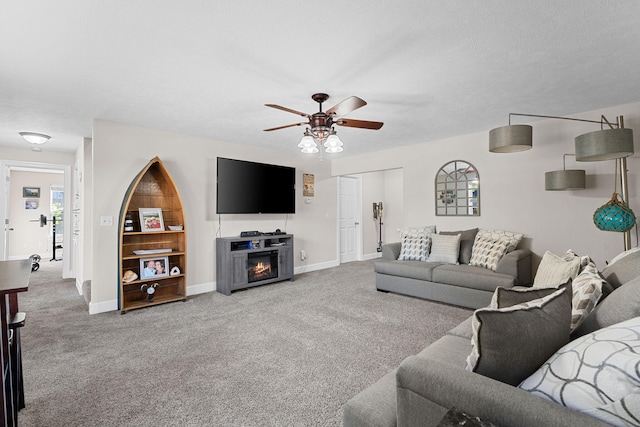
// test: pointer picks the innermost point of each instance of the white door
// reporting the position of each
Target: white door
(349, 218)
(5, 215)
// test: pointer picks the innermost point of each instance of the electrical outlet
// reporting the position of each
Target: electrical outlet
(106, 221)
(303, 255)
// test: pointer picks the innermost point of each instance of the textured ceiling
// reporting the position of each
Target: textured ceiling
(428, 69)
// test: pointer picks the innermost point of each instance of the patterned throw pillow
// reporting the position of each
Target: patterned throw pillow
(587, 291)
(444, 248)
(514, 238)
(487, 251)
(510, 343)
(416, 242)
(597, 374)
(554, 270)
(528, 332)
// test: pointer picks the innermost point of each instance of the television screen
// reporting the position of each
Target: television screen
(247, 188)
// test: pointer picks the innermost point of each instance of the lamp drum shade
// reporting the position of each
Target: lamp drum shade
(509, 139)
(566, 179)
(605, 144)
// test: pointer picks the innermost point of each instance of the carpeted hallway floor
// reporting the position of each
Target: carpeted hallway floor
(285, 354)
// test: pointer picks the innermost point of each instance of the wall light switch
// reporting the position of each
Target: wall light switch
(106, 221)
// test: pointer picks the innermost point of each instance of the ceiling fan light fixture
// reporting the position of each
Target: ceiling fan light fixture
(307, 141)
(310, 150)
(335, 149)
(333, 141)
(34, 137)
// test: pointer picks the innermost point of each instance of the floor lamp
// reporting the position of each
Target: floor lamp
(612, 143)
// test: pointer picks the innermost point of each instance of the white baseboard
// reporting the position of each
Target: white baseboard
(314, 267)
(103, 307)
(202, 288)
(374, 255)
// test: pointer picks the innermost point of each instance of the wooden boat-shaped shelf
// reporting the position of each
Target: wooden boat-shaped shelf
(158, 241)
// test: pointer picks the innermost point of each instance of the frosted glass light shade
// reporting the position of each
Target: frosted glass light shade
(34, 138)
(605, 144)
(566, 179)
(509, 139)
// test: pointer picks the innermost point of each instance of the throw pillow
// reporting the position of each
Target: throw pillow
(415, 242)
(467, 237)
(514, 238)
(444, 248)
(624, 267)
(597, 374)
(554, 270)
(509, 344)
(415, 247)
(587, 291)
(487, 252)
(507, 297)
(620, 305)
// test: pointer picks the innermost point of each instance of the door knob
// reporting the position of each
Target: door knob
(357, 223)
(11, 229)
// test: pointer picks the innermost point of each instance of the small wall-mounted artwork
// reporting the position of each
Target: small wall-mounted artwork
(151, 219)
(307, 185)
(31, 192)
(31, 204)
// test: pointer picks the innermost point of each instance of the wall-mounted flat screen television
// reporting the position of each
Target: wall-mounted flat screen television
(249, 188)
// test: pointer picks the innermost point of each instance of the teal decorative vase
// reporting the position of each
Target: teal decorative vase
(614, 216)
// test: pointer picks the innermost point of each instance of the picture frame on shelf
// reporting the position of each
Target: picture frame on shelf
(154, 267)
(33, 192)
(151, 220)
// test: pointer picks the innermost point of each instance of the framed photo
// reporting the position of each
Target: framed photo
(151, 219)
(31, 192)
(154, 267)
(31, 204)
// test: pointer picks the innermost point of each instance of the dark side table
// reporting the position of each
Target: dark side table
(14, 278)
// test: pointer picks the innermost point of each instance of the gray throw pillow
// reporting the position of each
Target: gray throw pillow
(467, 238)
(507, 297)
(510, 344)
(622, 304)
(623, 268)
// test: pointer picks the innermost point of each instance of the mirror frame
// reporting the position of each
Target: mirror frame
(457, 189)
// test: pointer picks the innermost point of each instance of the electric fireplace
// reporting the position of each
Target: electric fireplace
(262, 265)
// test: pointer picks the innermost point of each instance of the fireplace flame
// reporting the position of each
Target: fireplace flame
(261, 269)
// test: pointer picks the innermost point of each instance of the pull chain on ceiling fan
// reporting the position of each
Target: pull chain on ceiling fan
(320, 130)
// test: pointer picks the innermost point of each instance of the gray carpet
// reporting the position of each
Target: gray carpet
(285, 354)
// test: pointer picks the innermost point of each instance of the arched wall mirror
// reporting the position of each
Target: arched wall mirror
(458, 190)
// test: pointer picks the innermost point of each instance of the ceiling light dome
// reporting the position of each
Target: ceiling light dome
(34, 137)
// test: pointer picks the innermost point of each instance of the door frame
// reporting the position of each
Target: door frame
(6, 166)
(359, 237)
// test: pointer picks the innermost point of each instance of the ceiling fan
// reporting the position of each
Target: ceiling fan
(320, 130)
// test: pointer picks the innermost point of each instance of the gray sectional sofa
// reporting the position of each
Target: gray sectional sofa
(430, 385)
(462, 284)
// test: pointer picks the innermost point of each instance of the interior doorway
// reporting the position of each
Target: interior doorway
(21, 200)
(349, 218)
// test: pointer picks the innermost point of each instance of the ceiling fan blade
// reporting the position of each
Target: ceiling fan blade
(289, 110)
(345, 107)
(287, 126)
(364, 124)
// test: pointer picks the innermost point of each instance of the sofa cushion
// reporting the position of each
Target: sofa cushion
(597, 374)
(487, 251)
(463, 330)
(554, 270)
(509, 344)
(469, 276)
(622, 304)
(467, 237)
(623, 268)
(514, 238)
(419, 270)
(445, 248)
(375, 406)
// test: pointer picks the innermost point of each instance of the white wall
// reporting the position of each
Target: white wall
(512, 185)
(120, 152)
